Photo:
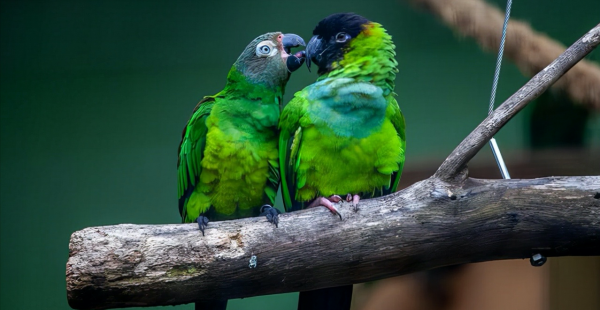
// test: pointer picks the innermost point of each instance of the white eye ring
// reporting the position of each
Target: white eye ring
(265, 49)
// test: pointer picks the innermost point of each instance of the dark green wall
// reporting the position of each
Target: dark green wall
(94, 95)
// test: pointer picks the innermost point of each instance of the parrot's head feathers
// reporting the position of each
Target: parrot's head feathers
(268, 59)
(347, 39)
(331, 39)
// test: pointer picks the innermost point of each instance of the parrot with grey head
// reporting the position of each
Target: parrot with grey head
(342, 137)
(228, 164)
(228, 157)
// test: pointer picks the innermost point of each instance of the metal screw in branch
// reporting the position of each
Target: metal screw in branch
(252, 262)
(493, 144)
(537, 260)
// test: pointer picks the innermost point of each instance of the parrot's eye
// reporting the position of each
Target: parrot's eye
(265, 49)
(342, 37)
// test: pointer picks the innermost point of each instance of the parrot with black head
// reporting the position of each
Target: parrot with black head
(342, 137)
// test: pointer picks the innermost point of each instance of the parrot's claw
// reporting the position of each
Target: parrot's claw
(354, 199)
(326, 202)
(271, 213)
(202, 223)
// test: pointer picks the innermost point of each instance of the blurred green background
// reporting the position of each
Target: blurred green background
(94, 95)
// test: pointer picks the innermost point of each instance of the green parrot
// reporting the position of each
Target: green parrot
(228, 164)
(342, 136)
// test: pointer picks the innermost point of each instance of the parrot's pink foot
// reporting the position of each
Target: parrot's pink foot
(354, 199)
(326, 202)
(334, 198)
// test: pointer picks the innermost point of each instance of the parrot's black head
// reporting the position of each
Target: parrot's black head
(267, 58)
(331, 38)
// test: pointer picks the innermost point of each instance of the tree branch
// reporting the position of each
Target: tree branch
(468, 148)
(440, 221)
(531, 51)
(427, 225)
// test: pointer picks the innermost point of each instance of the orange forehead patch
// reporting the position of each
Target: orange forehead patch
(368, 29)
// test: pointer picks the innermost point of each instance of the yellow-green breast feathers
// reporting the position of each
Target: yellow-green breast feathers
(228, 163)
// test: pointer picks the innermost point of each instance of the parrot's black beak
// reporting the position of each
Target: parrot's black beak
(314, 51)
(294, 61)
(291, 40)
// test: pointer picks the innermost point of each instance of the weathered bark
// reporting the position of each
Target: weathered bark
(528, 49)
(446, 219)
(427, 225)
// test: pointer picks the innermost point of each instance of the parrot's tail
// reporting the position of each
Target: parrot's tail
(332, 298)
(211, 305)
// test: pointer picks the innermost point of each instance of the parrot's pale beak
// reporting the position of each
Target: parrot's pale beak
(294, 61)
(313, 51)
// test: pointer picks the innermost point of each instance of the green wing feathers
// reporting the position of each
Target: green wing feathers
(397, 118)
(273, 181)
(289, 140)
(191, 151)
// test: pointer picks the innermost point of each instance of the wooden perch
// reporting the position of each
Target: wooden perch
(427, 225)
(530, 50)
(446, 219)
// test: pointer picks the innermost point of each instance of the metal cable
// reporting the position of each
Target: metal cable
(493, 144)
(499, 60)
